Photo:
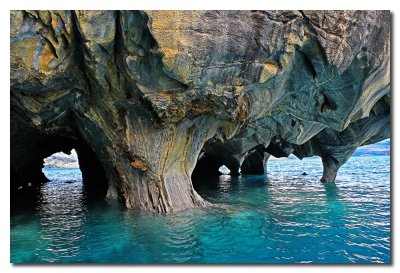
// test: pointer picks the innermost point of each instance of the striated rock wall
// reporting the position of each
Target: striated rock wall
(143, 96)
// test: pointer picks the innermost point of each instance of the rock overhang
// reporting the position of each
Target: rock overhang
(153, 92)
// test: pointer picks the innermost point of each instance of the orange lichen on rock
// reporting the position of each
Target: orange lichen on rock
(166, 95)
(45, 58)
(139, 165)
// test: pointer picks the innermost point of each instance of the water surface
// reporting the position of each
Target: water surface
(282, 217)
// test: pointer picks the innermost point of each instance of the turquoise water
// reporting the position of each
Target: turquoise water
(283, 217)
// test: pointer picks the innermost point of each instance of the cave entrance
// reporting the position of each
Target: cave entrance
(63, 168)
(80, 165)
(206, 174)
(224, 170)
(61, 160)
(64, 192)
(291, 166)
(32, 158)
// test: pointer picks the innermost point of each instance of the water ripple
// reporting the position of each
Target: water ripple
(280, 218)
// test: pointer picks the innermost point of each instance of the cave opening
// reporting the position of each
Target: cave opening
(63, 168)
(54, 165)
(82, 164)
(224, 170)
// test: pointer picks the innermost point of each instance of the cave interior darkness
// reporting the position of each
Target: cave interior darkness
(94, 178)
(25, 183)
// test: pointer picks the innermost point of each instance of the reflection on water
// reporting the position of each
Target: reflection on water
(61, 211)
(224, 183)
(282, 217)
(331, 191)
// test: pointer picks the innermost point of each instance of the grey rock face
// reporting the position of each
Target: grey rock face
(145, 96)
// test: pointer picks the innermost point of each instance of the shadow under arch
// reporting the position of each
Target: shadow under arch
(27, 176)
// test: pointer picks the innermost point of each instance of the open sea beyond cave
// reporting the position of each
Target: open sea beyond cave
(282, 217)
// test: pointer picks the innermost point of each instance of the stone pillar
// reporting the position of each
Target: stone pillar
(331, 167)
(149, 167)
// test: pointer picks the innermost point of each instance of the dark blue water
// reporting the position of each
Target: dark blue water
(283, 217)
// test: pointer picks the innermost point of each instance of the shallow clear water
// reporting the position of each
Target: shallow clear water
(283, 217)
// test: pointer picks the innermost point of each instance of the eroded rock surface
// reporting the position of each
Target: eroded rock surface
(144, 96)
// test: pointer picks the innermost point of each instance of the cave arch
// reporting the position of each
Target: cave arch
(147, 122)
(26, 172)
(207, 166)
(256, 161)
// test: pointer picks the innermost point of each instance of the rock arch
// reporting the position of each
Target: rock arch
(146, 96)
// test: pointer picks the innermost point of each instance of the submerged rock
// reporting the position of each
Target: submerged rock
(144, 96)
